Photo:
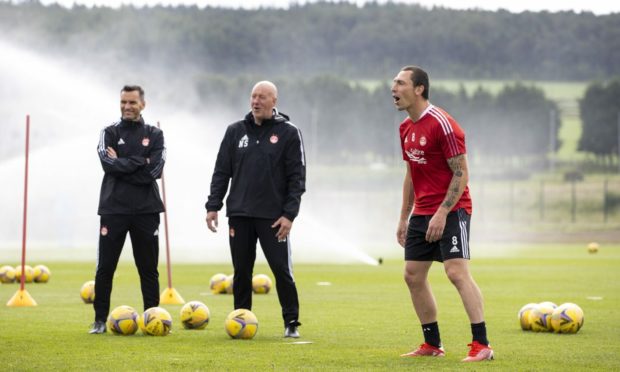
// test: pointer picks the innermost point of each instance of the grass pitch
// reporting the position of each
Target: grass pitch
(363, 320)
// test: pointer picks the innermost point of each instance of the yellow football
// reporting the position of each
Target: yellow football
(218, 283)
(123, 320)
(155, 321)
(567, 318)
(7, 274)
(524, 316)
(593, 247)
(241, 323)
(41, 274)
(28, 271)
(195, 315)
(261, 284)
(87, 292)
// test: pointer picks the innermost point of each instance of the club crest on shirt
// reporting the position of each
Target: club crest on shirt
(145, 141)
(422, 141)
(104, 230)
(273, 139)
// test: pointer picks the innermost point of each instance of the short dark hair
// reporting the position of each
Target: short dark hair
(419, 77)
(133, 88)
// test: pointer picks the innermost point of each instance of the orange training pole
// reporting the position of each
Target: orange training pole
(22, 297)
(25, 220)
(163, 191)
(170, 295)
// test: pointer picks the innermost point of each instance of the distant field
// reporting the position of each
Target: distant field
(362, 321)
(565, 94)
(556, 90)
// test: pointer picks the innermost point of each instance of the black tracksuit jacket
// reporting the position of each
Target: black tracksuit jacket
(129, 185)
(267, 166)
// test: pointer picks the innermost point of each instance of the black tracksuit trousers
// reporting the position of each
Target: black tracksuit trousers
(243, 234)
(144, 234)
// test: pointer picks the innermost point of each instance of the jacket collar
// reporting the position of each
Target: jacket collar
(277, 118)
(138, 122)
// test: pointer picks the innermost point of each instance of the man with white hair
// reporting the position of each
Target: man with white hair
(263, 155)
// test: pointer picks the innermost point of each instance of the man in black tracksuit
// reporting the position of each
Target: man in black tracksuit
(132, 155)
(264, 156)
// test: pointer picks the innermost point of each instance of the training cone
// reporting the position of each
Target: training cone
(171, 297)
(21, 298)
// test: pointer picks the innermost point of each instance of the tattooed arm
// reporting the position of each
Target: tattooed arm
(460, 177)
(406, 207)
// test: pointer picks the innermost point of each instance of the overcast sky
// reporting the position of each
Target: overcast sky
(595, 6)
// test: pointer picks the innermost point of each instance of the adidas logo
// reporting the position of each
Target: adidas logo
(121, 142)
(454, 249)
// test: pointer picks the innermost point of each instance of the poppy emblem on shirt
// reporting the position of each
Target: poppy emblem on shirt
(422, 141)
(273, 139)
(145, 141)
(104, 230)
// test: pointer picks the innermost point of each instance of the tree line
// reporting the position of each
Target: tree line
(350, 123)
(600, 115)
(344, 121)
(314, 51)
(327, 38)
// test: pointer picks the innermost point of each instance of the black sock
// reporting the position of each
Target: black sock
(431, 334)
(479, 332)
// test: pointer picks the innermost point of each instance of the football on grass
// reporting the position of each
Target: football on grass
(241, 323)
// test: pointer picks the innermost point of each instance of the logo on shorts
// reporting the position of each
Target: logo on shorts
(145, 141)
(156, 233)
(454, 249)
(104, 230)
(273, 139)
(121, 142)
(231, 232)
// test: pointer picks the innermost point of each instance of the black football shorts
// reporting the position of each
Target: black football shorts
(453, 244)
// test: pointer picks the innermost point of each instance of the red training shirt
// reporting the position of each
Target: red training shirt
(426, 145)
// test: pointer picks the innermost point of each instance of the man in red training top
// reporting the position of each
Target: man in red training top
(435, 190)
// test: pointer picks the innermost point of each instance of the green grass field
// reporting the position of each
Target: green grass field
(362, 321)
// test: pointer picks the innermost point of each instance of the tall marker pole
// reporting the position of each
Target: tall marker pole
(552, 139)
(22, 297)
(169, 296)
